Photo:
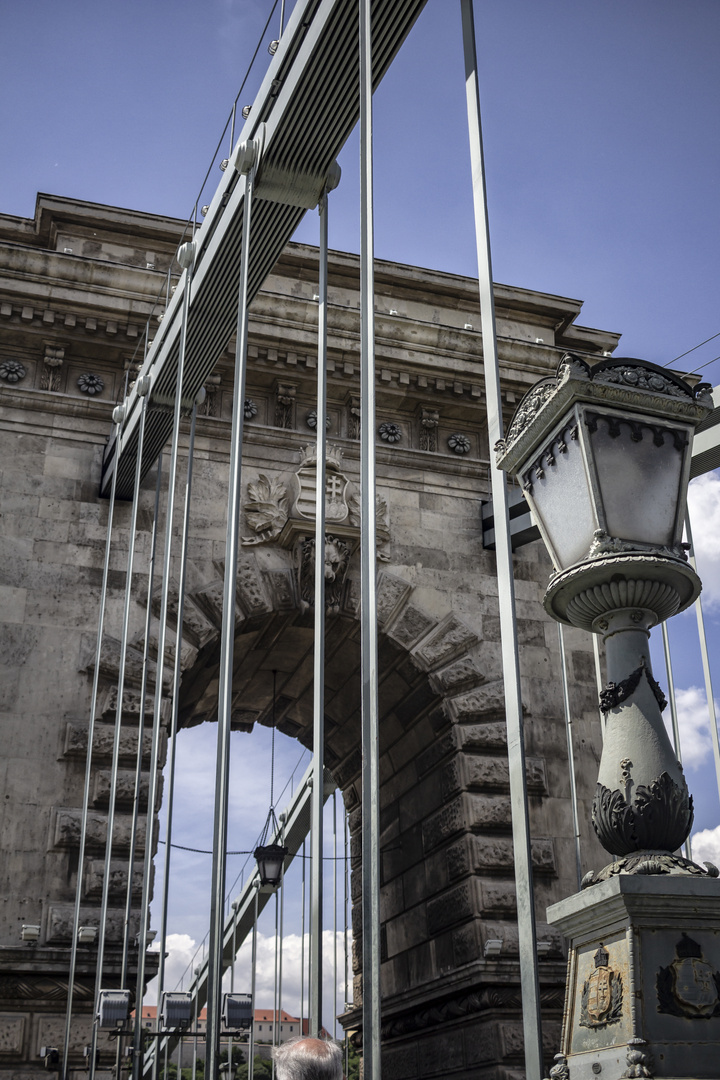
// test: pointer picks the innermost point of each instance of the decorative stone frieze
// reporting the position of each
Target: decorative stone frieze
(12, 371)
(284, 405)
(459, 443)
(390, 433)
(90, 384)
(52, 362)
(429, 422)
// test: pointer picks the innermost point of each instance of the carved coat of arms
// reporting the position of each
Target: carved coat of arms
(602, 994)
(688, 986)
(336, 485)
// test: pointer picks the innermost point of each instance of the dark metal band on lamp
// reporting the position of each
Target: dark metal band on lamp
(270, 860)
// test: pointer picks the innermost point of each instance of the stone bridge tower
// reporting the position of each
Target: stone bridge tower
(77, 285)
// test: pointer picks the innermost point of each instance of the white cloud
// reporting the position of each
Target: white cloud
(694, 723)
(292, 955)
(181, 950)
(704, 506)
(706, 845)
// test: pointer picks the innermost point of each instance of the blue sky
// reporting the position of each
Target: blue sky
(601, 139)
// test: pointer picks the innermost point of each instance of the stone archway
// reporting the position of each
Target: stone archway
(447, 865)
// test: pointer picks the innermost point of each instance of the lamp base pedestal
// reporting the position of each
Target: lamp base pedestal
(643, 991)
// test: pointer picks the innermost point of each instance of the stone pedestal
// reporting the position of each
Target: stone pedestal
(643, 993)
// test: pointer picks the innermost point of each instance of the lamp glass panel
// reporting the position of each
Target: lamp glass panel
(561, 500)
(639, 480)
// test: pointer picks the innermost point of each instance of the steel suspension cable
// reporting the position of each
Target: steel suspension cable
(141, 729)
(177, 671)
(186, 257)
(118, 416)
(316, 828)
(140, 753)
(227, 641)
(370, 780)
(527, 936)
(143, 390)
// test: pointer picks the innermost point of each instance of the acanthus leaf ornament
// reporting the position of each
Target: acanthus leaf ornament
(266, 510)
(658, 817)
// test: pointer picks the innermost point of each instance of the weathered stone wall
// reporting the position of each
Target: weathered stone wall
(446, 841)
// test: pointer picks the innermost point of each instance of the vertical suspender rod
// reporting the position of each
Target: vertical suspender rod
(118, 415)
(225, 678)
(673, 712)
(506, 592)
(316, 831)
(186, 257)
(368, 585)
(177, 669)
(143, 388)
(705, 662)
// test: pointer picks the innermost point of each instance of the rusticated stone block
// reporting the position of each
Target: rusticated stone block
(110, 664)
(61, 920)
(498, 898)
(95, 877)
(494, 772)
(463, 672)
(195, 624)
(411, 624)
(210, 601)
(68, 823)
(76, 736)
(496, 853)
(12, 1034)
(452, 907)
(250, 589)
(490, 736)
(451, 778)
(124, 788)
(281, 584)
(484, 701)
(188, 652)
(457, 858)
(392, 591)
(451, 638)
(489, 812)
(107, 705)
(444, 824)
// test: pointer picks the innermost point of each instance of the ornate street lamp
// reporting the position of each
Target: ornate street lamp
(603, 456)
(270, 858)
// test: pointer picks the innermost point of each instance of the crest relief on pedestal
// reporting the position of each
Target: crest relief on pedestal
(689, 986)
(602, 995)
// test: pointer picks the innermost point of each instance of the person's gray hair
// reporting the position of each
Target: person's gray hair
(304, 1058)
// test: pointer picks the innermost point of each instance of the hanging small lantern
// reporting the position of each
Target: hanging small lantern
(271, 857)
